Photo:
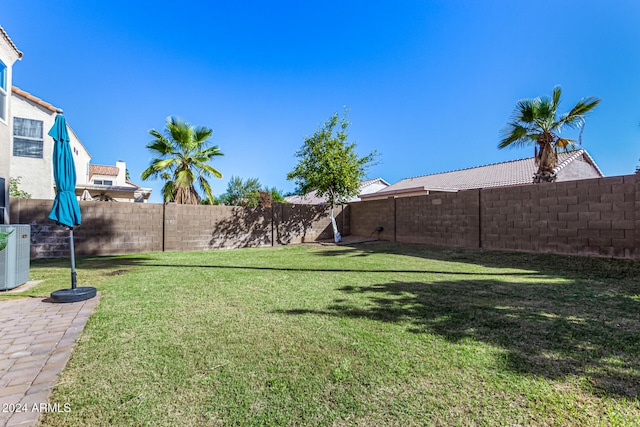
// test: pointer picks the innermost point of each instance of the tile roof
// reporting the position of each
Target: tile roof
(313, 199)
(307, 199)
(33, 99)
(512, 172)
(103, 170)
(365, 184)
(45, 104)
(8, 39)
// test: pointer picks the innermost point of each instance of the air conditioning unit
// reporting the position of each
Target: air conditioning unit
(15, 259)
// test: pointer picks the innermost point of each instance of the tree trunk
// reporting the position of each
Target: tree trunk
(186, 196)
(546, 159)
(336, 234)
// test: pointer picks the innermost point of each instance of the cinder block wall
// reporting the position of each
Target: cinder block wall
(365, 217)
(305, 223)
(121, 228)
(588, 217)
(107, 228)
(597, 217)
(445, 219)
(201, 227)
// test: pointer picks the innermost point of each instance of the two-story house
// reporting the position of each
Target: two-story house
(32, 147)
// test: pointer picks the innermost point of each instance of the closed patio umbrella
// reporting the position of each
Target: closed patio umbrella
(66, 211)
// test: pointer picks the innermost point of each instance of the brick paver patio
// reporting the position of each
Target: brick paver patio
(36, 340)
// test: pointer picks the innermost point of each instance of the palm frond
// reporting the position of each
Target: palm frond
(566, 144)
(158, 166)
(204, 185)
(557, 92)
(525, 111)
(575, 118)
(168, 191)
(160, 145)
(181, 132)
(515, 135)
(184, 178)
(209, 170)
(201, 134)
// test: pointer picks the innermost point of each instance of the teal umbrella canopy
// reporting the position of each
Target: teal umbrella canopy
(65, 211)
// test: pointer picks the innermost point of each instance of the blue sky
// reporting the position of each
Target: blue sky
(429, 84)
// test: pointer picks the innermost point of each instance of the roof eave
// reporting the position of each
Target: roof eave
(34, 99)
(11, 43)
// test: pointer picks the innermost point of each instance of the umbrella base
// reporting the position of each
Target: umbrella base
(73, 295)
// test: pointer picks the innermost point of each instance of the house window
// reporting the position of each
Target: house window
(102, 182)
(27, 138)
(3, 92)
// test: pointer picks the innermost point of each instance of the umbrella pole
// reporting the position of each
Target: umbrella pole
(74, 294)
(73, 259)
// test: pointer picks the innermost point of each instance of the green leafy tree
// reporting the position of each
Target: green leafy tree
(208, 201)
(265, 199)
(276, 195)
(181, 157)
(537, 122)
(249, 193)
(329, 164)
(239, 191)
(14, 191)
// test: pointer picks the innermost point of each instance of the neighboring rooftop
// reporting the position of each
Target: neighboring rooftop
(103, 170)
(502, 174)
(368, 186)
(46, 105)
(33, 99)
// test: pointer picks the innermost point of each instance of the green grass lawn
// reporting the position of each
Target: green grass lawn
(367, 335)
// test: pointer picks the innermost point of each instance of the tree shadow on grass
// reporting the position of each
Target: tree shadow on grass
(541, 263)
(549, 330)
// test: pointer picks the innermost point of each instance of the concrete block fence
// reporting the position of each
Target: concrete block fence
(594, 217)
(110, 228)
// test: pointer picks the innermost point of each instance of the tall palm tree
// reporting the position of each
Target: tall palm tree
(537, 122)
(181, 156)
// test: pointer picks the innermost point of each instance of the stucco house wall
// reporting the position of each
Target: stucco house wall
(9, 54)
(37, 173)
(109, 183)
(578, 169)
(81, 158)
(374, 186)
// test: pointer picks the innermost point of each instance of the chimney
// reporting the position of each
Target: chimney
(122, 173)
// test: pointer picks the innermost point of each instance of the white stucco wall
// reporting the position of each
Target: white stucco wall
(81, 158)
(121, 179)
(578, 169)
(8, 56)
(371, 188)
(37, 174)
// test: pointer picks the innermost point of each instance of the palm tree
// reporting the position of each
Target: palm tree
(537, 122)
(180, 158)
